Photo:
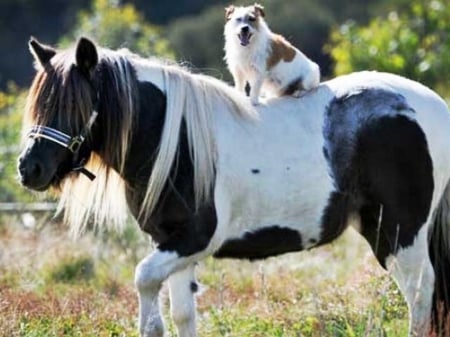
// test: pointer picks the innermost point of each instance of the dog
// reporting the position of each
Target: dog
(267, 61)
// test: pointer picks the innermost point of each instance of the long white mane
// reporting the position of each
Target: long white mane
(195, 99)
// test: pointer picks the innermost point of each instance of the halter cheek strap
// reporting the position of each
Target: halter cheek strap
(73, 144)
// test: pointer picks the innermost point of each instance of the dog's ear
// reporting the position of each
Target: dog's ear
(259, 10)
(228, 12)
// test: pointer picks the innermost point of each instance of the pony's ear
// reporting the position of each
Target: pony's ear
(42, 53)
(228, 12)
(259, 10)
(86, 56)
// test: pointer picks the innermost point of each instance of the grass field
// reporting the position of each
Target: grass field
(51, 285)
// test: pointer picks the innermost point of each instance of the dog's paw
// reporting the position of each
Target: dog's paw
(298, 93)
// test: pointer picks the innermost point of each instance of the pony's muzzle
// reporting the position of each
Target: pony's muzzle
(29, 171)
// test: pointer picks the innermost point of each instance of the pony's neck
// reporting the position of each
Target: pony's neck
(146, 134)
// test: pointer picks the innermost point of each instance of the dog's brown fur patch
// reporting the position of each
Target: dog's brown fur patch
(281, 50)
(259, 10)
(228, 12)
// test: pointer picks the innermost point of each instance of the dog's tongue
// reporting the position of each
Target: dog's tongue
(245, 39)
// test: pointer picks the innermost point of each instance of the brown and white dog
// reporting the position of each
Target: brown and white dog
(265, 60)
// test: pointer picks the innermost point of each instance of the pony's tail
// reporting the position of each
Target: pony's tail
(439, 250)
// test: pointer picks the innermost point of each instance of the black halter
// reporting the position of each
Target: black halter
(73, 144)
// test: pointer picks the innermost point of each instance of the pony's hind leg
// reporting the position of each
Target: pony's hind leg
(397, 184)
(411, 268)
(403, 251)
(182, 286)
(150, 273)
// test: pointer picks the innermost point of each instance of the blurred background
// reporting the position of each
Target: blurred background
(407, 37)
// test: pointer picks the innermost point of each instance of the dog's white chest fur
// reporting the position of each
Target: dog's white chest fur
(263, 59)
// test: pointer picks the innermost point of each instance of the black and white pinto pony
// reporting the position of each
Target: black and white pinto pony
(205, 173)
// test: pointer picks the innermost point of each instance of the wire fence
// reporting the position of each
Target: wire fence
(19, 207)
(30, 215)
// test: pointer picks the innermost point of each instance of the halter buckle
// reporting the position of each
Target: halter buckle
(75, 144)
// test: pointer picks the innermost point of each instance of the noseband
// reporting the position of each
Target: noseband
(73, 144)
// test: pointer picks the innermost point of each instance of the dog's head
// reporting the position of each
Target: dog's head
(243, 22)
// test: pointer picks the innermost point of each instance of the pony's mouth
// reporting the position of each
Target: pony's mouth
(244, 38)
(35, 186)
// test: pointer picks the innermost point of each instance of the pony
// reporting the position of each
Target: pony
(205, 173)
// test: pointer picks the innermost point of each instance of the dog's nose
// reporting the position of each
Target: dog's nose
(245, 29)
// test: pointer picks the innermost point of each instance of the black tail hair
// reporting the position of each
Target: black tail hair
(439, 250)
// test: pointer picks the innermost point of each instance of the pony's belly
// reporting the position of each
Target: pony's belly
(258, 235)
(272, 215)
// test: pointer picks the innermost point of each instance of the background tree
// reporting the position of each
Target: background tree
(11, 102)
(118, 26)
(20, 19)
(414, 43)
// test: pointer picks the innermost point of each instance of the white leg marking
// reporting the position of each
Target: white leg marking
(149, 276)
(182, 302)
(414, 274)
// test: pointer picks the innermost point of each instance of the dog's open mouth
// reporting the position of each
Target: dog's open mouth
(244, 38)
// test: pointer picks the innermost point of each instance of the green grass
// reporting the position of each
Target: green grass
(51, 285)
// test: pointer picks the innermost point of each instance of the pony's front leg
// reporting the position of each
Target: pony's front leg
(149, 276)
(182, 286)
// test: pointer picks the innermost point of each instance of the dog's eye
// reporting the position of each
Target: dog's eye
(251, 18)
(238, 19)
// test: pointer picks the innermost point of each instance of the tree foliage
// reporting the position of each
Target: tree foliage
(414, 43)
(116, 26)
(11, 102)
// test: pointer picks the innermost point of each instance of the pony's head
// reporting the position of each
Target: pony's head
(60, 114)
(79, 117)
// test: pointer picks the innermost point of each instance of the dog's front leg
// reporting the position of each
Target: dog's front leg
(239, 80)
(255, 88)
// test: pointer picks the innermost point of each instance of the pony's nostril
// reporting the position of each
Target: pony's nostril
(35, 170)
(29, 170)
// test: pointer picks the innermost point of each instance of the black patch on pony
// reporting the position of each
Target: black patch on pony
(194, 287)
(335, 216)
(262, 243)
(379, 160)
(399, 176)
